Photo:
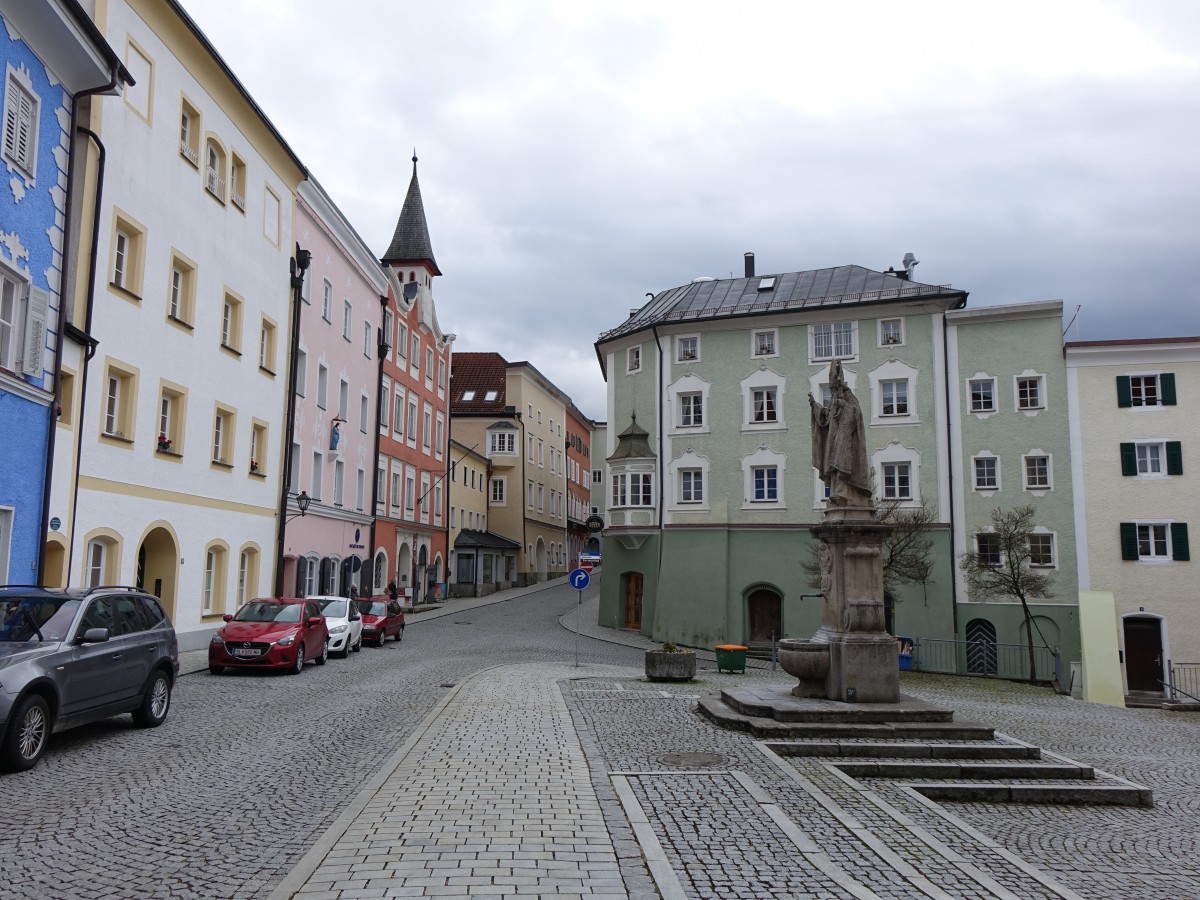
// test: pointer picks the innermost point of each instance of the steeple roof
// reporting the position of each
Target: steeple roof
(410, 243)
(633, 443)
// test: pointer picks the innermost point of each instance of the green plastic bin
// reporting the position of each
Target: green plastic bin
(731, 658)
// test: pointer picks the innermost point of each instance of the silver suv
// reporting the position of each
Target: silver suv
(68, 657)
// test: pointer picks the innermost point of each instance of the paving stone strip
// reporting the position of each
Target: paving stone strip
(491, 798)
(897, 836)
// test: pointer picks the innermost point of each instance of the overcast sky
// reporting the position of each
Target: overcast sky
(575, 156)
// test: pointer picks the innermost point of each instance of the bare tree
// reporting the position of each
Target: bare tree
(907, 547)
(1001, 566)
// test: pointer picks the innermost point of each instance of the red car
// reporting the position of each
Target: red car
(271, 633)
(382, 618)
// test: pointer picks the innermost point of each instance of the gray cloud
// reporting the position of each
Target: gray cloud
(575, 158)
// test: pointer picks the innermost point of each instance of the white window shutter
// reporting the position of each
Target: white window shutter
(35, 331)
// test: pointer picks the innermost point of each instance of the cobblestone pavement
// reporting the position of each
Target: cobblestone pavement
(474, 759)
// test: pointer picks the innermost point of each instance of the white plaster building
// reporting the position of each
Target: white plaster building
(187, 310)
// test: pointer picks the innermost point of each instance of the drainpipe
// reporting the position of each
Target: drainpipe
(660, 416)
(524, 535)
(116, 77)
(949, 475)
(384, 349)
(298, 266)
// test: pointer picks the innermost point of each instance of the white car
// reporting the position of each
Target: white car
(345, 624)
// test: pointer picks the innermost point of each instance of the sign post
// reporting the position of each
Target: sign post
(579, 579)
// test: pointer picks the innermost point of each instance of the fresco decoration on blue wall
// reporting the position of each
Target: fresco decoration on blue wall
(32, 210)
(32, 205)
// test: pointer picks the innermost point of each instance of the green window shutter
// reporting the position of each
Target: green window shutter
(1174, 458)
(1166, 381)
(1179, 542)
(1129, 545)
(1124, 395)
(1128, 459)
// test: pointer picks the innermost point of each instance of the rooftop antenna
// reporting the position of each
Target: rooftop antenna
(1074, 321)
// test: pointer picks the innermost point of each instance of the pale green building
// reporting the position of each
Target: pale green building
(710, 488)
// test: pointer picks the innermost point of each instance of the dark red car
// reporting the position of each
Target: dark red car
(271, 633)
(382, 618)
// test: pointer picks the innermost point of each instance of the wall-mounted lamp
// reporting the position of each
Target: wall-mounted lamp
(302, 501)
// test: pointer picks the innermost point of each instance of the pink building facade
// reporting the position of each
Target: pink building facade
(334, 437)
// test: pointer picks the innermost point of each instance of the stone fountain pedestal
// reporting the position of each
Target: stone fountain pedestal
(851, 657)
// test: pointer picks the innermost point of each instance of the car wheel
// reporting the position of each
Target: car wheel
(400, 634)
(344, 652)
(216, 670)
(298, 665)
(357, 648)
(324, 657)
(155, 703)
(28, 733)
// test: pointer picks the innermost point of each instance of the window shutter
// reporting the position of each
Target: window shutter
(35, 331)
(1174, 458)
(1166, 381)
(1128, 459)
(1129, 542)
(1179, 542)
(1124, 395)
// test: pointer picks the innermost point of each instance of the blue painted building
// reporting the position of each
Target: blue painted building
(52, 57)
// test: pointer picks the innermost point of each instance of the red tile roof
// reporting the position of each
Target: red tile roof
(481, 373)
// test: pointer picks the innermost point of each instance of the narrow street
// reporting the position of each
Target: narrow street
(250, 768)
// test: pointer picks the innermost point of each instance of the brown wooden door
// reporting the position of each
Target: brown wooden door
(766, 615)
(633, 600)
(1143, 653)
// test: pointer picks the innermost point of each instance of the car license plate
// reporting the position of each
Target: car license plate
(246, 651)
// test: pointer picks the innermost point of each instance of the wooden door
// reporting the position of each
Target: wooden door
(1143, 653)
(633, 600)
(766, 615)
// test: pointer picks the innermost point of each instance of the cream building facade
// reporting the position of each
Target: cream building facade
(1135, 427)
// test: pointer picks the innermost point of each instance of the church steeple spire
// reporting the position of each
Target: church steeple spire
(410, 242)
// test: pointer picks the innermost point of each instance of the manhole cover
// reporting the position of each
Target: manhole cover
(692, 760)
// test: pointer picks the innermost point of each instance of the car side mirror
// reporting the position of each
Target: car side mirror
(94, 636)
(316, 620)
(228, 617)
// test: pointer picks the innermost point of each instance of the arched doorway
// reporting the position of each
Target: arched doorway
(158, 567)
(764, 610)
(422, 565)
(1143, 653)
(981, 647)
(539, 555)
(380, 582)
(631, 590)
(404, 564)
(593, 545)
(434, 577)
(56, 563)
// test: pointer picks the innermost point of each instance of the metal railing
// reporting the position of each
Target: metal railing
(986, 658)
(1185, 681)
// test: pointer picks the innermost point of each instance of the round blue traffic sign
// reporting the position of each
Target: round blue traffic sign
(579, 579)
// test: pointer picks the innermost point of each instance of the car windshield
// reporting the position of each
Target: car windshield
(25, 618)
(372, 607)
(335, 609)
(268, 611)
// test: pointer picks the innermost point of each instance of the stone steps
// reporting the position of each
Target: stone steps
(905, 750)
(758, 703)
(720, 713)
(989, 771)
(1120, 794)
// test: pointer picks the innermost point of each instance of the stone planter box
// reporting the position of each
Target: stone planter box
(664, 666)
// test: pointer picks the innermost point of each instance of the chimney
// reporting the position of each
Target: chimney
(749, 265)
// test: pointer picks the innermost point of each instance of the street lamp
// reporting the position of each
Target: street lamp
(302, 501)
